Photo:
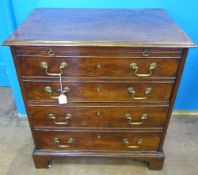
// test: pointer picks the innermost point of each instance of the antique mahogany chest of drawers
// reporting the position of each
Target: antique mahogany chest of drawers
(99, 82)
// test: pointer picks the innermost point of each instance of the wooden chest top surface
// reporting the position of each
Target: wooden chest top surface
(99, 27)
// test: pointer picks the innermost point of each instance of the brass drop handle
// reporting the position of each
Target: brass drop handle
(44, 66)
(54, 118)
(147, 92)
(139, 142)
(135, 68)
(61, 144)
(128, 117)
(49, 91)
(51, 52)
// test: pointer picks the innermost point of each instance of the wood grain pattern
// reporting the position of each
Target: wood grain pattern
(177, 83)
(99, 67)
(98, 116)
(98, 140)
(98, 51)
(92, 50)
(108, 92)
(100, 27)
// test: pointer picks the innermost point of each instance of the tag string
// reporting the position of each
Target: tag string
(61, 85)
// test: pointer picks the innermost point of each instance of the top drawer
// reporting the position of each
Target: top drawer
(98, 61)
(98, 51)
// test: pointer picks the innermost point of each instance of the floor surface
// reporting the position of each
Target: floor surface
(181, 150)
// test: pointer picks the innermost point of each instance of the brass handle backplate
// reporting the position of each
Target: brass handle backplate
(147, 92)
(51, 52)
(63, 143)
(151, 68)
(54, 118)
(145, 52)
(139, 142)
(49, 91)
(44, 65)
(128, 117)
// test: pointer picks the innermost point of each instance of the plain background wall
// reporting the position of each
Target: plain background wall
(184, 14)
(12, 13)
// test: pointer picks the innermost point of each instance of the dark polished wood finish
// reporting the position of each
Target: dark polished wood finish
(100, 27)
(97, 140)
(99, 116)
(99, 91)
(122, 68)
(95, 66)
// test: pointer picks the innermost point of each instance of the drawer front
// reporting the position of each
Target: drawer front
(115, 141)
(98, 51)
(99, 67)
(99, 92)
(103, 117)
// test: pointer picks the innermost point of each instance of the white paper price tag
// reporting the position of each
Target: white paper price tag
(62, 99)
